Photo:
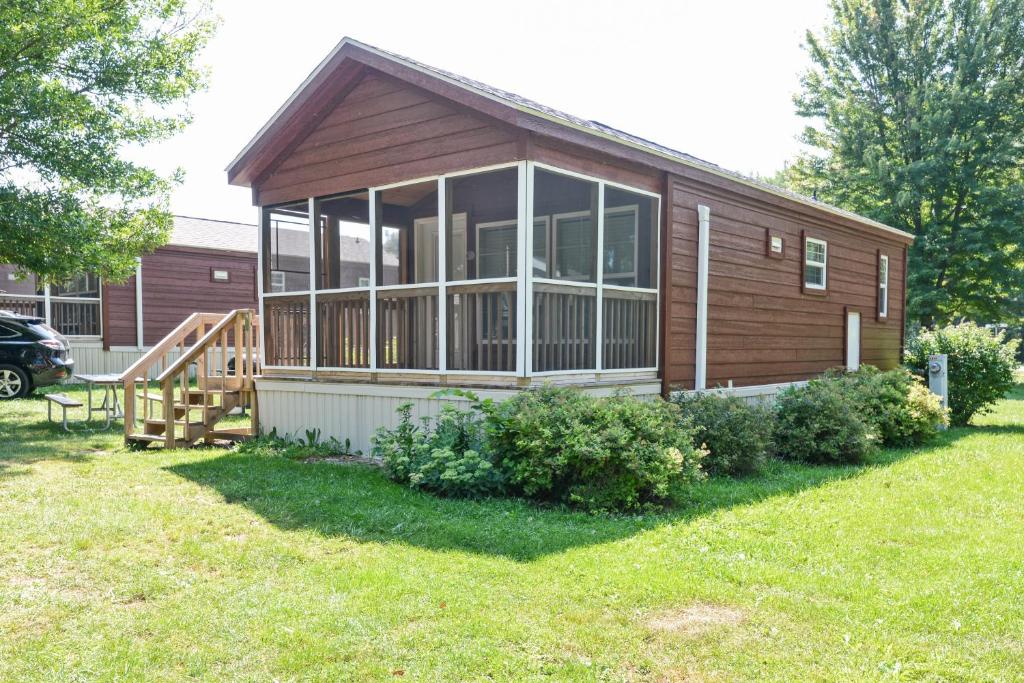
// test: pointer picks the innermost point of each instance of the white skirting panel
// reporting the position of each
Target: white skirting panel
(761, 393)
(355, 411)
(91, 359)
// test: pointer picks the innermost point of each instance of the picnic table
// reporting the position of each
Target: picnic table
(111, 406)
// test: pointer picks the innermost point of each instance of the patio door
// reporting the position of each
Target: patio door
(852, 340)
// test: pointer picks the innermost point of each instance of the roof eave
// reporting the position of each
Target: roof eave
(233, 169)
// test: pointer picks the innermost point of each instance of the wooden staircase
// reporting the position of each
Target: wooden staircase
(178, 413)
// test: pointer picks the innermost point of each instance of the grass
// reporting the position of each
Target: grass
(176, 565)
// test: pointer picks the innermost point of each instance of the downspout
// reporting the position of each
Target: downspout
(703, 249)
(139, 325)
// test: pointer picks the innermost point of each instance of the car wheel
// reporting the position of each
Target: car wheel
(13, 382)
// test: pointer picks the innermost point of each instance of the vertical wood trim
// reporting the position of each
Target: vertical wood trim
(524, 229)
(703, 252)
(442, 273)
(313, 208)
(903, 308)
(263, 239)
(803, 262)
(666, 285)
(139, 319)
(375, 268)
(527, 331)
(599, 274)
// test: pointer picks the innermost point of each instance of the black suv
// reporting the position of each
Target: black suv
(32, 354)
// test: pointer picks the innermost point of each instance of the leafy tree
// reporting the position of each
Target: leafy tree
(80, 80)
(918, 121)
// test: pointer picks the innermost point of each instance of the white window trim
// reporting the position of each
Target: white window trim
(883, 287)
(823, 264)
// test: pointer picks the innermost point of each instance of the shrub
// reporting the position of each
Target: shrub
(620, 453)
(981, 366)
(736, 434)
(819, 423)
(447, 457)
(896, 405)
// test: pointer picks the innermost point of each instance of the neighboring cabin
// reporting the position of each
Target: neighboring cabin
(509, 244)
(207, 265)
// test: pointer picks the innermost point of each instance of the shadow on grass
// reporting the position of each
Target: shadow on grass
(357, 501)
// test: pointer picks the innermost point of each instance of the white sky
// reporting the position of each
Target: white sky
(711, 78)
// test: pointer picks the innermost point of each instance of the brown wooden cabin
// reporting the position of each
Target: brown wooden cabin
(508, 244)
(207, 265)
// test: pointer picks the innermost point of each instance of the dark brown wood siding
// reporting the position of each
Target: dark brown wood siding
(385, 131)
(762, 327)
(175, 284)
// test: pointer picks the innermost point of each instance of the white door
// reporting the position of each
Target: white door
(852, 340)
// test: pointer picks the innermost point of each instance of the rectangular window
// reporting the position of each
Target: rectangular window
(815, 263)
(883, 286)
(277, 281)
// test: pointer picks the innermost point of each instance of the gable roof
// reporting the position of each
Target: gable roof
(240, 171)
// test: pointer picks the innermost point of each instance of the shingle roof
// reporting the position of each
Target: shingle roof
(537, 109)
(206, 233)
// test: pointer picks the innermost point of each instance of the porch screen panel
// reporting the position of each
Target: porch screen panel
(288, 258)
(630, 277)
(482, 333)
(564, 306)
(343, 227)
(407, 277)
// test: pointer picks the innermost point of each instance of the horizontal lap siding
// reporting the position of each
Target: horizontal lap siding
(175, 284)
(384, 132)
(761, 327)
(119, 314)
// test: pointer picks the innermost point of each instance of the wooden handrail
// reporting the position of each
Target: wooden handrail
(167, 344)
(201, 345)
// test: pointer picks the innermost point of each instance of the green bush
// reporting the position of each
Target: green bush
(736, 434)
(446, 457)
(819, 423)
(981, 366)
(620, 453)
(896, 405)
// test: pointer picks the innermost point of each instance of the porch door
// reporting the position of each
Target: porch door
(852, 340)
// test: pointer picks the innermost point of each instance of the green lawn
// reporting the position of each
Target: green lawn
(120, 565)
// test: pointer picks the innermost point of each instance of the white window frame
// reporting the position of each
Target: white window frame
(883, 286)
(823, 264)
(277, 282)
(527, 223)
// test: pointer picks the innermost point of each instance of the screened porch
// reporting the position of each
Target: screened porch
(519, 270)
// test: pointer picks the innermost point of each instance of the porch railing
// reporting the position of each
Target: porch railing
(482, 327)
(630, 328)
(563, 327)
(407, 328)
(343, 329)
(286, 321)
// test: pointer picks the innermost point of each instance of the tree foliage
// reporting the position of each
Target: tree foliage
(918, 121)
(81, 80)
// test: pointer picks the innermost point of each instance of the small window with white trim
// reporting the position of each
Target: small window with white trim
(883, 286)
(277, 281)
(815, 263)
